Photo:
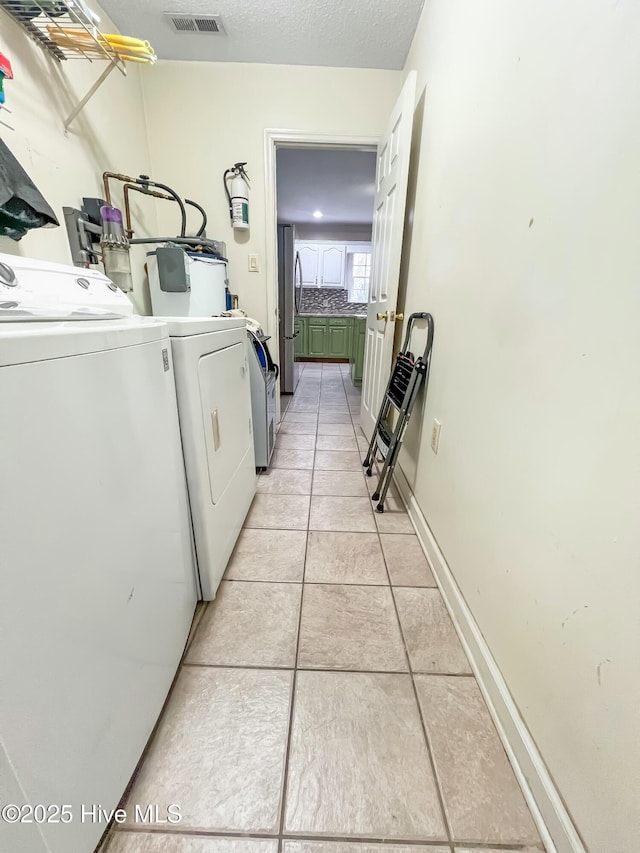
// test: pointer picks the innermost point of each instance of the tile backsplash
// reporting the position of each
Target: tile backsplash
(329, 300)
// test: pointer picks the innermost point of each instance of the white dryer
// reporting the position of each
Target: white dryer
(214, 404)
(97, 587)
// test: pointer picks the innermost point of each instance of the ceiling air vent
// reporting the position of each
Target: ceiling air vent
(195, 23)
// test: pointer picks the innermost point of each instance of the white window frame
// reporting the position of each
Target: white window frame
(352, 294)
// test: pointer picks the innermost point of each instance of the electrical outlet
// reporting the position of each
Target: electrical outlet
(435, 435)
(253, 263)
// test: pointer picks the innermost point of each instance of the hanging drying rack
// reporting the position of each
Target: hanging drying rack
(2, 121)
(72, 22)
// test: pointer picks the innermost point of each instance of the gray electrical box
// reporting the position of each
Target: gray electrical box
(173, 269)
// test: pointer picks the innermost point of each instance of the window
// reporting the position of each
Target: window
(359, 271)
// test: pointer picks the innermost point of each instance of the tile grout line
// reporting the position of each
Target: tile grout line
(498, 847)
(329, 530)
(257, 666)
(324, 582)
(194, 630)
(420, 714)
(294, 680)
(285, 780)
(307, 668)
(409, 671)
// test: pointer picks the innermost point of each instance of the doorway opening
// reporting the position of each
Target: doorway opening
(323, 200)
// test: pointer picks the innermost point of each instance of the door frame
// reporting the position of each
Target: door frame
(275, 138)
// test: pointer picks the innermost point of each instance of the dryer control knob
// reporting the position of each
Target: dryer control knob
(7, 275)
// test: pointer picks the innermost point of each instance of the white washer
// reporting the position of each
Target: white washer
(214, 403)
(97, 588)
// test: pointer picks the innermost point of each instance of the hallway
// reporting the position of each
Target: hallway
(325, 694)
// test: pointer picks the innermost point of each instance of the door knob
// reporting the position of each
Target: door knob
(395, 316)
(384, 316)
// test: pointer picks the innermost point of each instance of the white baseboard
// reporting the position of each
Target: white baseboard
(553, 821)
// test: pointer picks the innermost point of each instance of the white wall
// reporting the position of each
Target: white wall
(523, 241)
(348, 232)
(203, 117)
(110, 134)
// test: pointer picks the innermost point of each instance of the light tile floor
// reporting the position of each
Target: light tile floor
(325, 704)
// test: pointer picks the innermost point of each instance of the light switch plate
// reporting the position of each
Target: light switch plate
(253, 263)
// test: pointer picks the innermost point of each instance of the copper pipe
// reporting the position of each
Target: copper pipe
(116, 176)
(127, 203)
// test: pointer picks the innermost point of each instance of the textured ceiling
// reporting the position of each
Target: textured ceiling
(341, 33)
(338, 183)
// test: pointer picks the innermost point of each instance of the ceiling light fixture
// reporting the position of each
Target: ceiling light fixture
(317, 214)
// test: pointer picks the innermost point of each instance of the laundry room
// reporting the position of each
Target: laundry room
(318, 455)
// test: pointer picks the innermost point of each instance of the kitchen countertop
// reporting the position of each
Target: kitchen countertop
(331, 314)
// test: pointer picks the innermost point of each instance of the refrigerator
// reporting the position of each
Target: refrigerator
(289, 295)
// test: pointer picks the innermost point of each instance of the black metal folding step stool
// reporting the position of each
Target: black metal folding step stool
(407, 377)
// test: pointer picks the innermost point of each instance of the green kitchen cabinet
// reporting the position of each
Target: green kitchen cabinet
(339, 337)
(356, 358)
(317, 338)
(325, 337)
(300, 331)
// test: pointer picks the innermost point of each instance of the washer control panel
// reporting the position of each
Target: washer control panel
(32, 289)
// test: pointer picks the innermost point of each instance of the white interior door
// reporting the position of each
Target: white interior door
(388, 226)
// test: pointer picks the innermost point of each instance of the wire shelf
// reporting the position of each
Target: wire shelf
(64, 30)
